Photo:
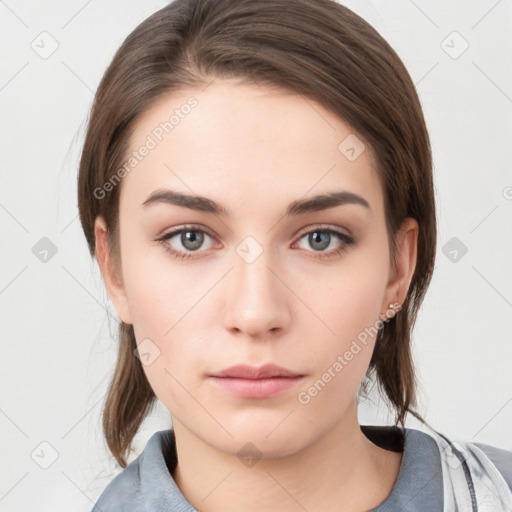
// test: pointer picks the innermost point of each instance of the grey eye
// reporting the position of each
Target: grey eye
(319, 240)
(192, 240)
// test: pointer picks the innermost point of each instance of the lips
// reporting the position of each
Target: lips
(251, 382)
(251, 372)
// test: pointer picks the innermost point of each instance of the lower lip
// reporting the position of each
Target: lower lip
(255, 388)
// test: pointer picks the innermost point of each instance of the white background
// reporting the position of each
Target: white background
(57, 340)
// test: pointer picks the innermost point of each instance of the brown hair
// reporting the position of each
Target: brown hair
(317, 48)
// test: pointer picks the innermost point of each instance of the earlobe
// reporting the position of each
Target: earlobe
(111, 275)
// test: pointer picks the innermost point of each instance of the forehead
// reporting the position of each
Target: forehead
(237, 142)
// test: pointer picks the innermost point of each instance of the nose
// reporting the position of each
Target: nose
(256, 299)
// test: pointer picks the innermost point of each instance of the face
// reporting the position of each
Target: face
(247, 276)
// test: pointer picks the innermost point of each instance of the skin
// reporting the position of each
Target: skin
(255, 150)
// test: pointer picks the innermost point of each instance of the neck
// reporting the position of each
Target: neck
(342, 471)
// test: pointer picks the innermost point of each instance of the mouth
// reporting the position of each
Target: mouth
(253, 382)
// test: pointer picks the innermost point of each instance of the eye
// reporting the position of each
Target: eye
(190, 239)
(321, 238)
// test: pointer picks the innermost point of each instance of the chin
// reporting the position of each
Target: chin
(258, 446)
(261, 437)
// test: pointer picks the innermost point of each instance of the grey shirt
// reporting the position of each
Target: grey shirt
(146, 484)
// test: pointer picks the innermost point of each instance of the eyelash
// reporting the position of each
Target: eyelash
(346, 240)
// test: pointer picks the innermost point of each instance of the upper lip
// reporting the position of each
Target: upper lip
(266, 371)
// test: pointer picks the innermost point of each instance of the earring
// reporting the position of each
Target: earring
(383, 317)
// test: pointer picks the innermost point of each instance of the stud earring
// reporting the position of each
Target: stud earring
(385, 316)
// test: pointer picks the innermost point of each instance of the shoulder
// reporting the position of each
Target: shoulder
(501, 458)
(123, 493)
(146, 483)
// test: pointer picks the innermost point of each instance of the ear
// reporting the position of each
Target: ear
(111, 275)
(401, 275)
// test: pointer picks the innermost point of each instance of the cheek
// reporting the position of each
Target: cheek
(349, 308)
(154, 291)
(164, 309)
(352, 301)
(340, 359)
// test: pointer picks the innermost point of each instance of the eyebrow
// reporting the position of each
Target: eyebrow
(298, 207)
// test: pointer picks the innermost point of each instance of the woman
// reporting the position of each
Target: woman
(256, 185)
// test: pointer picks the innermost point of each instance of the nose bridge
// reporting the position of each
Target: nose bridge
(255, 300)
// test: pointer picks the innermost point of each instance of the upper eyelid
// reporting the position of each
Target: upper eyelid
(322, 227)
(302, 231)
(186, 227)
